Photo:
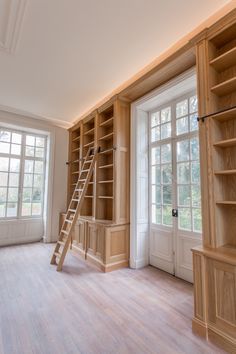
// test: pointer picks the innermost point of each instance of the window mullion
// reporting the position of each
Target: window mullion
(22, 158)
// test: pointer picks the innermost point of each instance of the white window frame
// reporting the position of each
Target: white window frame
(22, 159)
(172, 140)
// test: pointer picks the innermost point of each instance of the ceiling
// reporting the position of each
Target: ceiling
(58, 58)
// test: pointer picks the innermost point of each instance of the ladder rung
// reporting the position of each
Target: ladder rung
(65, 232)
(78, 190)
(69, 221)
(88, 161)
(62, 243)
(82, 180)
(72, 210)
(75, 200)
(57, 254)
(85, 170)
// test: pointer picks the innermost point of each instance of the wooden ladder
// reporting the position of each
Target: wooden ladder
(74, 208)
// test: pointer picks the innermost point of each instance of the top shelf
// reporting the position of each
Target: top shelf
(225, 60)
(107, 122)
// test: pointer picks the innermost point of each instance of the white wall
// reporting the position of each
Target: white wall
(16, 231)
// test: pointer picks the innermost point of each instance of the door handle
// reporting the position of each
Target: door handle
(175, 213)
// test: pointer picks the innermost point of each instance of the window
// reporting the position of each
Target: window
(174, 164)
(22, 174)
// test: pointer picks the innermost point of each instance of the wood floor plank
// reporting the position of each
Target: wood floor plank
(84, 311)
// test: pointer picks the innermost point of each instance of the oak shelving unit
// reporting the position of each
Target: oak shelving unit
(214, 263)
(102, 231)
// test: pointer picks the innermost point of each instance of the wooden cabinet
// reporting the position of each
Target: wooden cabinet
(102, 231)
(215, 262)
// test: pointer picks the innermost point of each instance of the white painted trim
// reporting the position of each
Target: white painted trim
(53, 121)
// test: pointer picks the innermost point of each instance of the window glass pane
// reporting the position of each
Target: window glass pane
(182, 125)
(29, 166)
(155, 155)
(196, 196)
(165, 115)
(15, 165)
(38, 167)
(183, 173)
(184, 195)
(166, 153)
(2, 210)
(28, 180)
(167, 215)
(184, 219)
(36, 196)
(182, 108)
(155, 120)
(3, 194)
(16, 138)
(26, 209)
(12, 194)
(3, 179)
(5, 136)
(193, 106)
(156, 175)
(27, 195)
(4, 148)
(156, 214)
(183, 150)
(166, 174)
(36, 209)
(4, 164)
(166, 131)
(15, 149)
(39, 152)
(30, 140)
(29, 151)
(197, 220)
(155, 134)
(194, 148)
(195, 167)
(167, 194)
(11, 209)
(193, 122)
(156, 194)
(13, 179)
(38, 181)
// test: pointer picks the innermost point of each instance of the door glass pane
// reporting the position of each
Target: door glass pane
(184, 197)
(165, 153)
(167, 215)
(155, 155)
(166, 172)
(183, 173)
(156, 214)
(167, 194)
(184, 219)
(183, 150)
(182, 125)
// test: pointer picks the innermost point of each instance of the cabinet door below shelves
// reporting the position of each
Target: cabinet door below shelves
(79, 237)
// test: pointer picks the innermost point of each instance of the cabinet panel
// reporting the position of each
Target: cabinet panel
(79, 236)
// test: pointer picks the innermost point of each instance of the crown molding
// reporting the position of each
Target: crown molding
(13, 13)
(52, 121)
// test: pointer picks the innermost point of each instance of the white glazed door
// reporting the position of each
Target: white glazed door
(175, 214)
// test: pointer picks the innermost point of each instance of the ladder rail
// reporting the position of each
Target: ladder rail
(78, 198)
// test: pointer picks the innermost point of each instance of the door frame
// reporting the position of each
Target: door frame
(139, 178)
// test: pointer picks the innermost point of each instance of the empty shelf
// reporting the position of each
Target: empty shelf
(76, 139)
(225, 172)
(106, 166)
(107, 122)
(107, 136)
(226, 202)
(75, 161)
(105, 197)
(108, 151)
(88, 196)
(75, 150)
(89, 144)
(226, 143)
(89, 132)
(224, 116)
(108, 181)
(224, 88)
(75, 173)
(225, 60)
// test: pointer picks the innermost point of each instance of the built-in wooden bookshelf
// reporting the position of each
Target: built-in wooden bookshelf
(214, 263)
(105, 213)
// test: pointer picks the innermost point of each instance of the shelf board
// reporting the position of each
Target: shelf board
(75, 173)
(89, 132)
(108, 151)
(104, 197)
(226, 202)
(107, 122)
(107, 136)
(225, 172)
(224, 116)
(108, 181)
(75, 161)
(225, 87)
(89, 144)
(75, 150)
(106, 166)
(88, 196)
(224, 61)
(226, 143)
(76, 139)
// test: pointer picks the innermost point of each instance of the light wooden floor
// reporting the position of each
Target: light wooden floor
(82, 310)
